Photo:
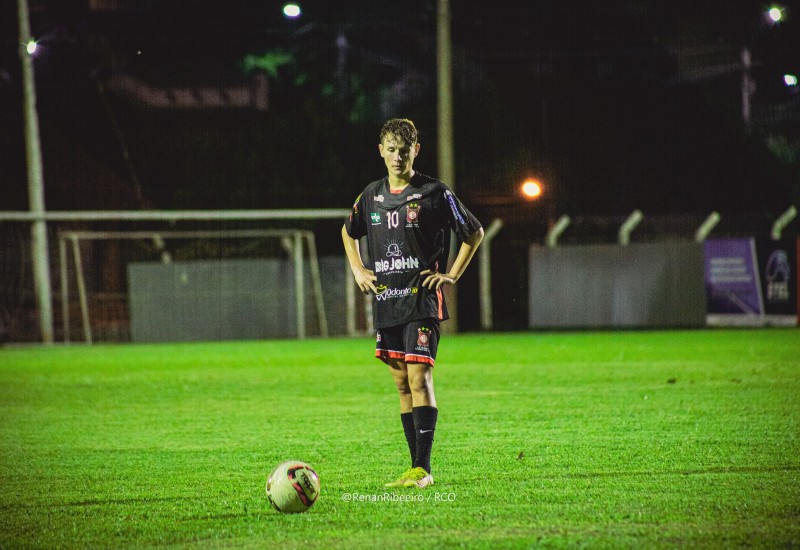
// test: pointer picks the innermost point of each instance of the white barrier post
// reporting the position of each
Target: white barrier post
(556, 231)
(485, 272)
(706, 227)
(782, 222)
(628, 226)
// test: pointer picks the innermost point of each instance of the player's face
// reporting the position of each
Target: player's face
(398, 155)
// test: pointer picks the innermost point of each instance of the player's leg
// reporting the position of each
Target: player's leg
(420, 383)
(422, 343)
(389, 349)
(425, 414)
(399, 372)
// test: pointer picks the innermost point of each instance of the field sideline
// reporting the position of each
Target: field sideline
(625, 439)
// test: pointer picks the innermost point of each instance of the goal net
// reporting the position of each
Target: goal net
(172, 281)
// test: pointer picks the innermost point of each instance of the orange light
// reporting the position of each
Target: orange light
(531, 189)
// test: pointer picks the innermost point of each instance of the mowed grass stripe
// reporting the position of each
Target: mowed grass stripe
(601, 439)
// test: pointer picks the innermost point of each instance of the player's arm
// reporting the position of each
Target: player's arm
(365, 278)
(466, 251)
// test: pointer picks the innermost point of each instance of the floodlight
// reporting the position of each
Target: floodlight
(531, 189)
(775, 14)
(292, 11)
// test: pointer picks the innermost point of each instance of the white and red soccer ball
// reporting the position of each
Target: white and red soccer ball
(293, 487)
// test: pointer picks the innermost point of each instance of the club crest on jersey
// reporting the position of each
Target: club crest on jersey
(423, 337)
(412, 213)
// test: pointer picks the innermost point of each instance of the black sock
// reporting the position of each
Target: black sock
(425, 424)
(411, 435)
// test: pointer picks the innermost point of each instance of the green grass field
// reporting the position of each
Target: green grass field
(662, 439)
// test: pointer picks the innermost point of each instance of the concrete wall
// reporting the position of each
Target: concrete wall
(608, 285)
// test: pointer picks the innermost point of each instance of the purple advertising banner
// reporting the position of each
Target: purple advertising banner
(732, 282)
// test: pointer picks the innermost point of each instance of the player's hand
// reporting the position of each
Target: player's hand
(365, 279)
(435, 280)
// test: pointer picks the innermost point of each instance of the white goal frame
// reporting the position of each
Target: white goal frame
(292, 240)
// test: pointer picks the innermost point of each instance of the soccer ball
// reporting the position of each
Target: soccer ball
(293, 487)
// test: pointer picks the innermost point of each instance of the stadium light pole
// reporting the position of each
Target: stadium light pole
(445, 149)
(747, 85)
(445, 94)
(33, 158)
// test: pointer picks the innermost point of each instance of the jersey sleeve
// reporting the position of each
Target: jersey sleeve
(355, 224)
(462, 221)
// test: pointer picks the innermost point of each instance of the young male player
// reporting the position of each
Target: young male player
(406, 218)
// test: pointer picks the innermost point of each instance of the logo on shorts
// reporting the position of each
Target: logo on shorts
(412, 213)
(423, 337)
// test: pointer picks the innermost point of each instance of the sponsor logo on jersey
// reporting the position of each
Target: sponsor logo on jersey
(454, 207)
(414, 197)
(386, 293)
(397, 263)
(393, 249)
(375, 217)
(412, 213)
(378, 198)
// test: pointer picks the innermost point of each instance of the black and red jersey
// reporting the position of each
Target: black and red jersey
(407, 233)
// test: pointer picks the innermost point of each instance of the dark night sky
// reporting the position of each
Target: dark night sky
(615, 105)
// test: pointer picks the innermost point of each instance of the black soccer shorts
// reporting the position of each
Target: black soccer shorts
(413, 342)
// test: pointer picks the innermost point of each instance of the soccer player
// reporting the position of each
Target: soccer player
(406, 218)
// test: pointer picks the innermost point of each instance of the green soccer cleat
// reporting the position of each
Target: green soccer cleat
(401, 481)
(418, 477)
